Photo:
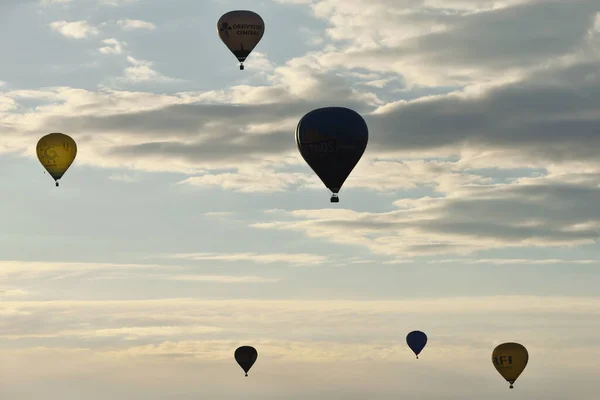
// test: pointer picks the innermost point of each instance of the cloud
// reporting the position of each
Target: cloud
(520, 261)
(219, 214)
(44, 2)
(526, 119)
(75, 30)
(486, 125)
(200, 126)
(13, 271)
(127, 178)
(469, 39)
(133, 24)
(118, 3)
(249, 180)
(133, 333)
(261, 63)
(221, 279)
(184, 335)
(556, 210)
(13, 293)
(343, 324)
(37, 269)
(512, 112)
(113, 46)
(141, 71)
(302, 258)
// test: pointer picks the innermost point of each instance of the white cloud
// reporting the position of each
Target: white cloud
(141, 71)
(133, 333)
(301, 258)
(545, 211)
(259, 62)
(414, 38)
(55, 1)
(249, 180)
(13, 293)
(222, 279)
(128, 178)
(133, 24)
(75, 30)
(503, 261)
(12, 271)
(118, 3)
(538, 321)
(219, 214)
(113, 46)
(180, 335)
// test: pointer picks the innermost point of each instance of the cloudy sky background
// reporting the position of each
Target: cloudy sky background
(190, 225)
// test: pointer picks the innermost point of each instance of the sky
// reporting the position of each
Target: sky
(190, 225)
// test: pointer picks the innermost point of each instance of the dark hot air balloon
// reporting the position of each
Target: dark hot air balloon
(241, 30)
(332, 140)
(246, 357)
(416, 340)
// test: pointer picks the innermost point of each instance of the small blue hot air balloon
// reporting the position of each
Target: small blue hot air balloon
(416, 340)
(332, 140)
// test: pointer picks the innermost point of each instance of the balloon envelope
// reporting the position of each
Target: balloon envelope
(56, 152)
(510, 359)
(416, 340)
(246, 357)
(241, 30)
(332, 140)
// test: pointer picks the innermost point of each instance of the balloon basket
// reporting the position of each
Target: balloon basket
(334, 199)
(241, 67)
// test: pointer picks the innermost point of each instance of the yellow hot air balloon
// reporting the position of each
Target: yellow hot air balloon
(241, 30)
(56, 152)
(510, 359)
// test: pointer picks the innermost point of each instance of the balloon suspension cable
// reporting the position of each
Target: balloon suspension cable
(241, 66)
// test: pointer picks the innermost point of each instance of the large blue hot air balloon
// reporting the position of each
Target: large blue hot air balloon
(416, 340)
(332, 140)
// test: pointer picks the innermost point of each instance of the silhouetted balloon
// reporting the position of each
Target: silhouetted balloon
(332, 140)
(416, 340)
(56, 152)
(510, 359)
(246, 357)
(241, 30)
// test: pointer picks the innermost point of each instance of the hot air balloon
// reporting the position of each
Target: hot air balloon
(56, 152)
(246, 357)
(241, 30)
(510, 359)
(332, 140)
(416, 340)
